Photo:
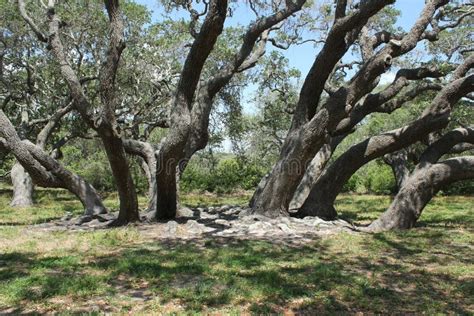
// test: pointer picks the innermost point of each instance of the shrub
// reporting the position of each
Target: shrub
(228, 175)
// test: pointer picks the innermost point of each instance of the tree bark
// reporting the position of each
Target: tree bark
(196, 121)
(398, 162)
(320, 201)
(172, 149)
(46, 171)
(427, 179)
(22, 187)
(86, 193)
(419, 189)
(115, 151)
(313, 172)
(146, 153)
(312, 123)
(105, 124)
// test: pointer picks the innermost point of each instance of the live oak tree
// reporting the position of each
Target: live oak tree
(102, 119)
(36, 103)
(434, 117)
(189, 102)
(193, 101)
(321, 118)
(149, 89)
(429, 176)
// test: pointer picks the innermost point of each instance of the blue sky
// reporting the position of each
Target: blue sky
(302, 56)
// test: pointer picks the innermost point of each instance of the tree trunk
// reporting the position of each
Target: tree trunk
(86, 193)
(419, 189)
(46, 171)
(320, 201)
(115, 151)
(169, 157)
(313, 172)
(172, 151)
(146, 153)
(22, 187)
(281, 184)
(149, 176)
(398, 162)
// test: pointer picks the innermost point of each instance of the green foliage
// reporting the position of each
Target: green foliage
(91, 164)
(227, 175)
(375, 177)
(88, 159)
(380, 179)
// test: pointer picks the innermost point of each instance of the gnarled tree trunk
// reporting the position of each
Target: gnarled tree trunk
(123, 177)
(398, 162)
(419, 189)
(427, 179)
(22, 187)
(46, 171)
(313, 172)
(320, 201)
(64, 178)
(312, 121)
(146, 153)
(172, 150)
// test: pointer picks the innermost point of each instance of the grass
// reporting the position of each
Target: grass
(429, 269)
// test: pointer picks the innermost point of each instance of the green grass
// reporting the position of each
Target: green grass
(429, 269)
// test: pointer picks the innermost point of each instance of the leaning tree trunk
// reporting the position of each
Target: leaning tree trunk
(84, 191)
(419, 189)
(46, 171)
(313, 172)
(22, 187)
(320, 201)
(297, 152)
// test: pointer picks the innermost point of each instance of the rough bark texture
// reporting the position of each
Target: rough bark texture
(22, 187)
(105, 124)
(419, 189)
(171, 152)
(312, 122)
(46, 171)
(128, 211)
(398, 162)
(252, 48)
(320, 201)
(147, 154)
(426, 180)
(313, 172)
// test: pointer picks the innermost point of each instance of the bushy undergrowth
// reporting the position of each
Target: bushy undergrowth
(217, 173)
(375, 178)
(229, 174)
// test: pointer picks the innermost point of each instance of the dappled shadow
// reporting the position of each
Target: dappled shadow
(404, 270)
(204, 273)
(357, 210)
(263, 275)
